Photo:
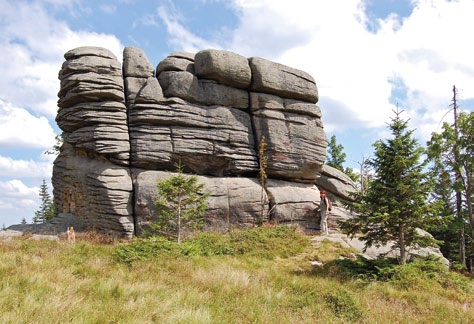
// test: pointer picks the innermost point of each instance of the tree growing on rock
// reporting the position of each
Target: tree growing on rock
(181, 204)
(57, 146)
(395, 203)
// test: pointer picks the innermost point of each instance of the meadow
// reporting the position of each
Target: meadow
(260, 275)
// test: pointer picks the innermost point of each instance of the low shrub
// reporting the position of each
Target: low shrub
(281, 241)
(418, 273)
(343, 305)
(259, 242)
(145, 249)
(359, 268)
(424, 273)
(207, 244)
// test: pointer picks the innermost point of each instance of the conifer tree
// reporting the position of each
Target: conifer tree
(335, 155)
(46, 210)
(181, 204)
(395, 203)
(447, 228)
(452, 152)
(336, 158)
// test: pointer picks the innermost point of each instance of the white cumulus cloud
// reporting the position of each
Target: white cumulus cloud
(19, 128)
(17, 202)
(25, 168)
(363, 74)
(33, 43)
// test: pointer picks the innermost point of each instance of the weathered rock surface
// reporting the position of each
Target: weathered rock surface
(224, 67)
(93, 188)
(92, 111)
(296, 142)
(125, 127)
(215, 141)
(386, 250)
(177, 61)
(91, 177)
(336, 182)
(22, 230)
(294, 203)
(281, 80)
(136, 63)
(233, 201)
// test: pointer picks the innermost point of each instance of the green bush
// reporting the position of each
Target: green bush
(207, 244)
(145, 249)
(268, 243)
(418, 273)
(424, 273)
(260, 242)
(359, 268)
(343, 305)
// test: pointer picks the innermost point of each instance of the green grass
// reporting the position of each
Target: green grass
(261, 275)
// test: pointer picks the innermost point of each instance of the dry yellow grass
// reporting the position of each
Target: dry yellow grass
(57, 282)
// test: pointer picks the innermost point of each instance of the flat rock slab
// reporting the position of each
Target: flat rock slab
(8, 234)
(375, 252)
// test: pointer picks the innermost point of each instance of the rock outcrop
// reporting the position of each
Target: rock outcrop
(337, 183)
(91, 175)
(126, 126)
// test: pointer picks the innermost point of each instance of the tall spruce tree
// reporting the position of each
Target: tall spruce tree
(453, 153)
(46, 210)
(335, 154)
(336, 158)
(395, 203)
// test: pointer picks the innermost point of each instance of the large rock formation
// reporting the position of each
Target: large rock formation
(125, 127)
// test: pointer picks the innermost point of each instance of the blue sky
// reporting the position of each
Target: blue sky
(366, 56)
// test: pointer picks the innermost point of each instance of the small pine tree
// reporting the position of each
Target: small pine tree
(181, 204)
(23, 221)
(396, 202)
(46, 210)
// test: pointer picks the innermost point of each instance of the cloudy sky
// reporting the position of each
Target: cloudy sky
(367, 57)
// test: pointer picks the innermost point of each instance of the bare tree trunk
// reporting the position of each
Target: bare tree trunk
(462, 239)
(401, 242)
(469, 203)
(179, 219)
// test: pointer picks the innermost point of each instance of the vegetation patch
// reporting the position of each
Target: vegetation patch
(221, 278)
(262, 242)
(344, 305)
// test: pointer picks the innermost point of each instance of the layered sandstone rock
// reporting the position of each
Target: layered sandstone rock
(91, 175)
(126, 127)
(336, 182)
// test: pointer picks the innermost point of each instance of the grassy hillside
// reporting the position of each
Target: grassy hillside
(263, 275)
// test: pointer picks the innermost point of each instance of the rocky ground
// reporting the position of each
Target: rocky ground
(52, 230)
